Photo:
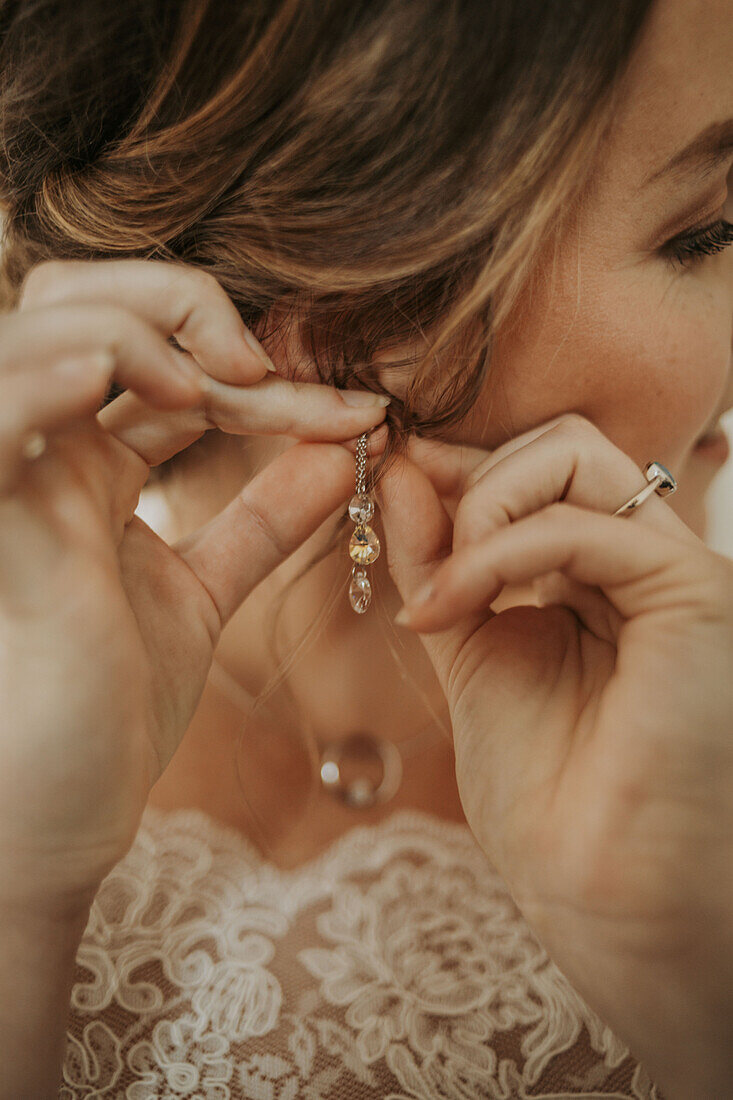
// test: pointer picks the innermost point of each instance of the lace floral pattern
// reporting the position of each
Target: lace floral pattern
(395, 965)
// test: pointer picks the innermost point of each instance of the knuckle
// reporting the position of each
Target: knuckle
(290, 425)
(475, 476)
(259, 520)
(125, 463)
(196, 287)
(476, 513)
(206, 279)
(590, 443)
(558, 512)
(116, 326)
(204, 283)
(578, 426)
(715, 573)
(44, 281)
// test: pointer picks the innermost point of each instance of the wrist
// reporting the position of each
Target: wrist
(37, 956)
(699, 1068)
(686, 1042)
(51, 887)
(23, 902)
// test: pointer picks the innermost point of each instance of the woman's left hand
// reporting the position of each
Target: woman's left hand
(593, 733)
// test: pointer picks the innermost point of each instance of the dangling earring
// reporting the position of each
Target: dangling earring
(364, 545)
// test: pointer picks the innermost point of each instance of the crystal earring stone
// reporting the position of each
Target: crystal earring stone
(360, 590)
(364, 546)
(361, 508)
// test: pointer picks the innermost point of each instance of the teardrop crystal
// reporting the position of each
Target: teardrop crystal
(360, 592)
(364, 545)
(361, 508)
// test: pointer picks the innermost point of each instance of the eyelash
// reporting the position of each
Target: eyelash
(692, 247)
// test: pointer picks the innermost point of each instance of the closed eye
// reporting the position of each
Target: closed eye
(694, 245)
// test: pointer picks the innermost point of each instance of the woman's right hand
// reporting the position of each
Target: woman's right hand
(106, 632)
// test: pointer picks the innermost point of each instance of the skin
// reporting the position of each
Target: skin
(119, 626)
(609, 328)
(639, 347)
(641, 339)
(569, 800)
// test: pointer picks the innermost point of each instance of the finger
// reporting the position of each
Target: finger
(142, 361)
(452, 467)
(588, 602)
(418, 535)
(177, 299)
(271, 406)
(191, 305)
(573, 461)
(638, 568)
(375, 443)
(448, 465)
(43, 400)
(270, 518)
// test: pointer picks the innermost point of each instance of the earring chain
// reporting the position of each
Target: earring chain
(361, 462)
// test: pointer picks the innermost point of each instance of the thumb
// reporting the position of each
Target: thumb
(418, 534)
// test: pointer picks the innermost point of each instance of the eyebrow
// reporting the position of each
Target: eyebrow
(702, 155)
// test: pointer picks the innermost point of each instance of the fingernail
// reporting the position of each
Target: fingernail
(422, 595)
(362, 398)
(258, 349)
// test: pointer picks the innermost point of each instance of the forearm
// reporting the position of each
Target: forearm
(688, 1033)
(681, 1028)
(699, 1068)
(37, 954)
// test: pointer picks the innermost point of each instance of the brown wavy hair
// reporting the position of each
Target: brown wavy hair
(383, 170)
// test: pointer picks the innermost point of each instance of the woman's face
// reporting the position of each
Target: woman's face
(614, 328)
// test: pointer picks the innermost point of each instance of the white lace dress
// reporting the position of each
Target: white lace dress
(394, 965)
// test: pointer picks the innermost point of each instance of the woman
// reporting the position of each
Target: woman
(510, 218)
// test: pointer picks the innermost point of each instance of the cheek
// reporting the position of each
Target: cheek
(647, 370)
(659, 369)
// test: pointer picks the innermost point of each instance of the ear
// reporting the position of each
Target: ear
(280, 336)
(282, 339)
(397, 365)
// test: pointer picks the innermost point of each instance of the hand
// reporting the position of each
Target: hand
(106, 632)
(593, 735)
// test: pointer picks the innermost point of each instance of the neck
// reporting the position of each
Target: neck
(352, 673)
(335, 659)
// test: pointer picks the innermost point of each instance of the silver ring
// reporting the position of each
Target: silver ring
(33, 445)
(660, 481)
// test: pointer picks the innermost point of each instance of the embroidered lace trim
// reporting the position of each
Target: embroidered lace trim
(394, 965)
